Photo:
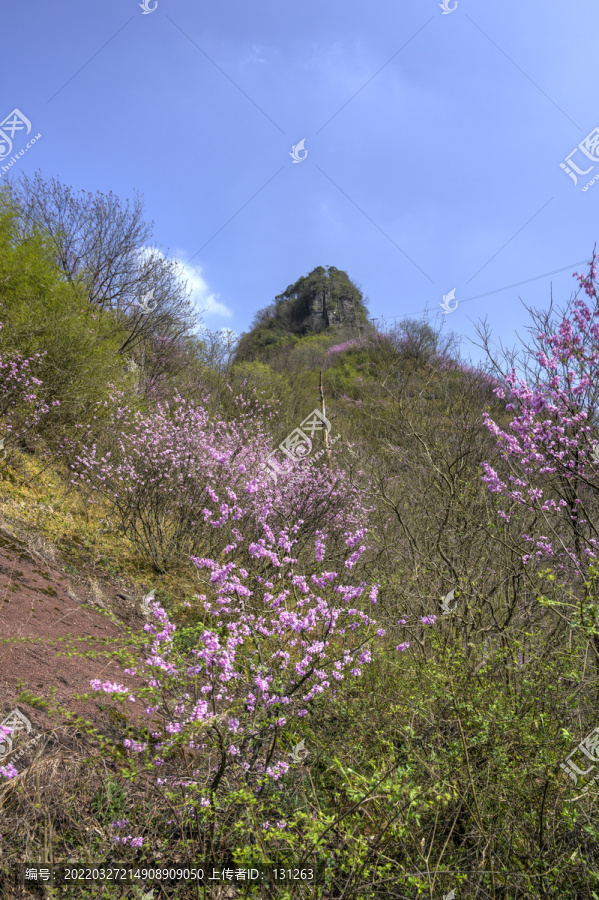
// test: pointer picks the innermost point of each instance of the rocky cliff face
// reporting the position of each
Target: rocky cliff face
(334, 303)
(321, 299)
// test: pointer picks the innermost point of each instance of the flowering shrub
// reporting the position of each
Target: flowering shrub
(356, 343)
(278, 631)
(20, 403)
(445, 363)
(347, 345)
(274, 640)
(175, 477)
(549, 447)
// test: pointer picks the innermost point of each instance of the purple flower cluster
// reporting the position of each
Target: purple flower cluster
(8, 771)
(348, 345)
(176, 465)
(357, 343)
(20, 402)
(548, 448)
(302, 637)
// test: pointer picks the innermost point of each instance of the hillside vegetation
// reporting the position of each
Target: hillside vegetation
(373, 638)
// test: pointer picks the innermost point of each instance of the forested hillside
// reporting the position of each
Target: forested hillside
(348, 580)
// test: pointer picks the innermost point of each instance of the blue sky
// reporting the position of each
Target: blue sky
(433, 140)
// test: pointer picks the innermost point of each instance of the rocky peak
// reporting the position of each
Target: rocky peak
(326, 297)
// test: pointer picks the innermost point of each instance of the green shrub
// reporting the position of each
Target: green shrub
(41, 312)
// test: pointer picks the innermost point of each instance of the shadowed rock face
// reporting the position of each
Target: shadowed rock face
(324, 297)
(332, 304)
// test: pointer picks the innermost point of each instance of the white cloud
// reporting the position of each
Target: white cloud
(205, 300)
(201, 296)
